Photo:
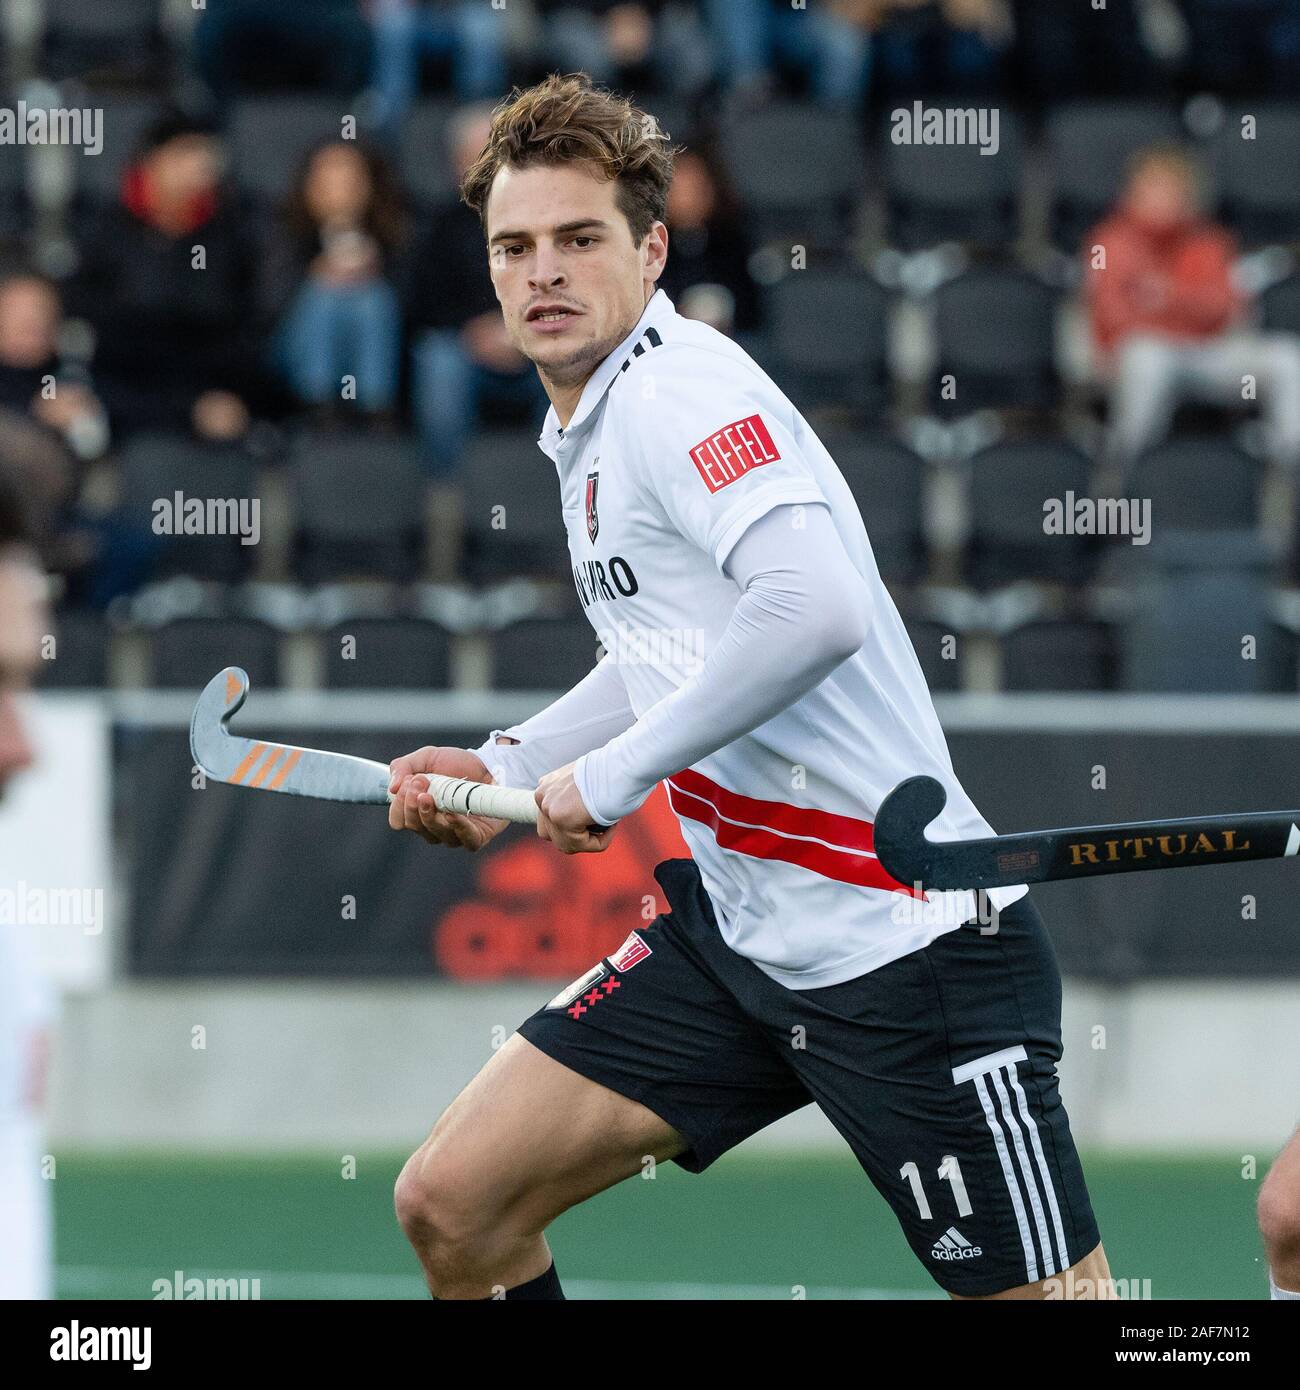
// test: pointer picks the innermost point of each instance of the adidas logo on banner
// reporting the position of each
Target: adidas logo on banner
(952, 1245)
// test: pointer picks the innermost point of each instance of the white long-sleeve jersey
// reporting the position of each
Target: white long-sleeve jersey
(776, 740)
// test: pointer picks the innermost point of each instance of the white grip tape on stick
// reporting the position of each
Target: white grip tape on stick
(468, 798)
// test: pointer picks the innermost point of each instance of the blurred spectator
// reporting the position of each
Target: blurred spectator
(830, 45)
(461, 353)
(926, 48)
(633, 45)
(329, 273)
(1167, 319)
(167, 281)
(33, 380)
(468, 32)
(1067, 51)
(1244, 47)
(707, 273)
(45, 472)
(244, 44)
(28, 1005)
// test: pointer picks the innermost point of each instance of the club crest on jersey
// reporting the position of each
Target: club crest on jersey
(593, 521)
(629, 953)
(732, 451)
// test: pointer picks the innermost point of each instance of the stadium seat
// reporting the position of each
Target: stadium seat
(390, 653)
(15, 202)
(1280, 306)
(1009, 484)
(1090, 144)
(941, 672)
(359, 503)
(953, 192)
(995, 335)
(1254, 178)
(425, 171)
(269, 136)
(185, 653)
(1065, 654)
(886, 479)
(1197, 483)
(511, 509)
(80, 653)
(97, 179)
(797, 169)
(828, 331)
(154, 467)
(543, 654)
(122, 38)
(1206, 592)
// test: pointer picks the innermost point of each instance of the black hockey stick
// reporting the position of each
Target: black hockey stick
(1034, 856)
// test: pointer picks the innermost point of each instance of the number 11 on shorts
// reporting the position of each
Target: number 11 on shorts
(950, 1172)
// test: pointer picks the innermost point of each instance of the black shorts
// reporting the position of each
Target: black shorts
(939, 1069)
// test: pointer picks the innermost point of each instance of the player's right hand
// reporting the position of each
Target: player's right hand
(412, 808)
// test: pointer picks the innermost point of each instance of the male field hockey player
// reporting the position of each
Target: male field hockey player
(791, 968)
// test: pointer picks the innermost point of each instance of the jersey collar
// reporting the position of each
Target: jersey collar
(658, 308)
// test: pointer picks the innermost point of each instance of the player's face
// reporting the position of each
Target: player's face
(21, 617)
(556, 236)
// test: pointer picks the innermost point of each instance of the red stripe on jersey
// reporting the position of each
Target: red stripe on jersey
(767, 830)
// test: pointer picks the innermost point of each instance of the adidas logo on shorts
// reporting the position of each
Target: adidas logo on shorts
(952, 1245)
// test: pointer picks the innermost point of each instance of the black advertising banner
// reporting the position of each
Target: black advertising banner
(229, 882)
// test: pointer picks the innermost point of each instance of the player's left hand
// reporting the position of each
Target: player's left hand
(563, 819)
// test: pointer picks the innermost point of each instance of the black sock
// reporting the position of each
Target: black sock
(545, 1288)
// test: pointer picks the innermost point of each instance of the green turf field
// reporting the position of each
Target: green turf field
(753, 1226)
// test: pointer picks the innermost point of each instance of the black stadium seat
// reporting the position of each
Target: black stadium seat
(1064, 654)
(425, 169)
(155, 467)
(995, 335)
(543, 654)
(97, 179)
(81, 642)
(15, 202)
(828, 330)
(511, 509)
(1253, 172)
(1205, 594)
(388, 653)
(122, 37)
(1009, 484)
(797, 170)
(359, 502)
(1280, 306)
(269, 136)
(887, 481)
(1197, 483)
(953, 192)
(184, 653)
(930, 641)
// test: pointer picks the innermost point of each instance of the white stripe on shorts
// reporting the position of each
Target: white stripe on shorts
(1002, 1121)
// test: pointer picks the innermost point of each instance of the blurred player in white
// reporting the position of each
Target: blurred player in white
(757, 665)
(26, 1001)
(1279, 1221)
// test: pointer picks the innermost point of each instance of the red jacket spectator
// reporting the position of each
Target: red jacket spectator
(1155, 266)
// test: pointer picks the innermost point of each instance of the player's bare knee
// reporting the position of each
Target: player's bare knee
(1279, 1220)
(440, 1207)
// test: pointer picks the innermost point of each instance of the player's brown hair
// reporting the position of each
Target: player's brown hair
(565, 119)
